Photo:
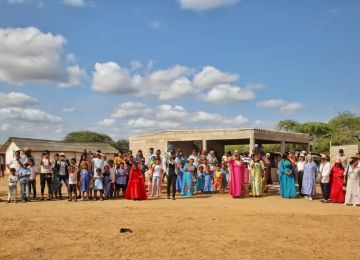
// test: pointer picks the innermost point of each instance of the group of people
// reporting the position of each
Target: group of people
(95, 177)
(339, 181)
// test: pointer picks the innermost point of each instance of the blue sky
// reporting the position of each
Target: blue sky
(129, 67)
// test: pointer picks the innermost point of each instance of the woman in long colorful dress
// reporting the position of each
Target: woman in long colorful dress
(352, 172)
(187, 185)
(337, 193)
(257, 170)
(287, 178)
(237, 170)
(200, 179)
(309, 178)
(179, 178)
(136, 186)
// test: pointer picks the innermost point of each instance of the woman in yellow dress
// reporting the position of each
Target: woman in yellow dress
(257, 171)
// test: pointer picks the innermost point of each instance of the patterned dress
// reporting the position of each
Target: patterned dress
(309, 179)
(256, 177)
(187, 183)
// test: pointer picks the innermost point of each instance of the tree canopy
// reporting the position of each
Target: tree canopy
(93, 137)
(340, 130)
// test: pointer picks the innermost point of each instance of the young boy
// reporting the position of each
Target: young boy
(120, 179)
(24, 177)
(13, 180)
(72, 183)
(32, 179)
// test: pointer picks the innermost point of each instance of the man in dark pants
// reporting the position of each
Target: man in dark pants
(172, 169)
(300, 168)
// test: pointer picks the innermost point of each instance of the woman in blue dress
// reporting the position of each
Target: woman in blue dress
(309, 178)
(287, 178)
(187, 184)
(179, 178)
(200, 179)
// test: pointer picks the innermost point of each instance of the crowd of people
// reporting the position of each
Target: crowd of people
(134, 177)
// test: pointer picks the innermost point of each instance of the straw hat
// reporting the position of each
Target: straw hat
(324, 156)
(355, 157)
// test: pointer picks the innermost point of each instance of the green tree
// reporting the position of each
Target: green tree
(88, 137)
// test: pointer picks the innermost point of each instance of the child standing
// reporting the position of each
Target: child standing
(98, 184)
(32, 179)
(208, 187)
(13, 180)
(72, 183)
(179, 178)
(217, 179)
(200, 179)
(85, 180)
(246, 181)
(225, 173)
(107, 182)
(120, 179)
(156, 181)
(24, 177)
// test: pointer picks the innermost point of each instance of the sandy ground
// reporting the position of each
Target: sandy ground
(201, 227)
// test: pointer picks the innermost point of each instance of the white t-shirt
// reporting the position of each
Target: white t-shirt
(46, 167)
(13, 179)
(73, 178)
(300, 166)
(33, 173)
(157, 171)
(15, 164)
(98, 164)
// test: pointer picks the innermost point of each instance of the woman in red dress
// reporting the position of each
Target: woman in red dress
(337, 194)
(136, 187)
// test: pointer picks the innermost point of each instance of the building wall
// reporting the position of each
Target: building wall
(349, 150)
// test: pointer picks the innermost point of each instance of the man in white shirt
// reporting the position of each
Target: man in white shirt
(324, 175)
(15, 162)
(300, 171)
(98, 162)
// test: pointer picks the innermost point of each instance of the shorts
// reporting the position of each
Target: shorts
(72, 187)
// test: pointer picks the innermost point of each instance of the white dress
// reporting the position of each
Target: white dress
(353, 186)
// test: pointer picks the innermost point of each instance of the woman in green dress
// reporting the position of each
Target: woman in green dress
(257, 171)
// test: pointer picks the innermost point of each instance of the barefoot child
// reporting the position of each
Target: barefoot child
(225, 173)
(208, 187)
(24, 178)
(200, 179)
(72, 183)
(246, 181)
(120, 180)
(13, 180)
(217, 179)
(85, 175)
(107, 182)
(98, 184)
(32, 179)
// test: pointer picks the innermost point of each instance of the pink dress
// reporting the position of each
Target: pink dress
(236, 179)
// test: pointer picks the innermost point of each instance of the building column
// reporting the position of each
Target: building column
(251, 144)
(282, 147)
(308, 147)
(204, 145)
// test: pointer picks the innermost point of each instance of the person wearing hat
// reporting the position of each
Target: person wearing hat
(26, 156)
(352, 174)
(342, 158)
(324, 177)
(24, 179)
(337, 181)
(300, 171)
(62, 166)
(172, 170)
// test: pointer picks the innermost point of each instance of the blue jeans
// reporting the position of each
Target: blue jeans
(24, 190)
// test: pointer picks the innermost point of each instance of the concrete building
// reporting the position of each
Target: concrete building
(215, 139)
(38, 146)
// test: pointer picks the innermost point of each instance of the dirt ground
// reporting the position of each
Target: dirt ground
(200, 227)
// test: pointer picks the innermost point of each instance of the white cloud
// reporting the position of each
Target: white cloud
(28, 55)
(75, 3)
(271, 103)
(28, 115)
(201, 5)
(16, 99)
(106, 122)
(68, 109)
(135, 65)
(17, 1)
(170, 113)
(286, 107)
(211, 76)
(150, 124)
(5, 127)
(225, 94)
(291, 108)
(178, 88)
(130, 109)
